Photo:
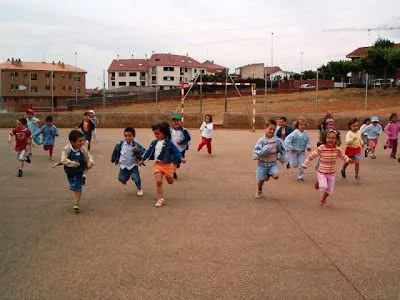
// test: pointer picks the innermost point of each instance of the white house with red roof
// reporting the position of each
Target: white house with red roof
(166, 71)
(212, 68)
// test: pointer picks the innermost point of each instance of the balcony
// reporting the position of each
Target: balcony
(142, 77)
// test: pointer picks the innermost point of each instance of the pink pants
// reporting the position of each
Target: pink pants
(205, 141)
(326, 182)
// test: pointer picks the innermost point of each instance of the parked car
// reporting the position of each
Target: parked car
(307, 86)
(383, 82)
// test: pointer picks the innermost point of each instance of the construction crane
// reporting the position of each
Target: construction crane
(378, 28)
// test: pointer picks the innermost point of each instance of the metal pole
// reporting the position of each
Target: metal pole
(75, 78)
(201, 92)
(52, 91)
(1, 97)
(104, 88)
(253, 93)
(366, 92)
(316, 93)
(301, 69)
(272, 56)
(226, 90)
(237, 90)
(265, 91)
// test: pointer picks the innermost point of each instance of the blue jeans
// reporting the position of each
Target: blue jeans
(266, 169)
(296, 161)
(75, 182)
(125, 174)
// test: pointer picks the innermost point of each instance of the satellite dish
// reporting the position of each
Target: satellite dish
(22, 87)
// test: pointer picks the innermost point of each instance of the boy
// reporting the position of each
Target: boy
(33, 126)
(127, 154)
(76, 160)
(180, 136)
(87, 126)
(267, 151)
(49, 133)
(23, 138)
(283, 129)
(373, 131)
(95, 122)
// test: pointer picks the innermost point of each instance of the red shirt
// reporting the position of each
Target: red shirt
(22, 137)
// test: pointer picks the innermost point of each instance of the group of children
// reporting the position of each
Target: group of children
(289, 145)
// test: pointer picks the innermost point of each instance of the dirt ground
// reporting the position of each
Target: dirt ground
(338, 101)
(213, 240)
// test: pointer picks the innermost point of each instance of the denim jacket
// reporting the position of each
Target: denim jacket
(297, 141)
(169, 153)
(262, 147)
(116, 154)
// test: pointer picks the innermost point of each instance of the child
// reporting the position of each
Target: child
(323, 125)
(180, 136)
(23, 138)
(95, 122)
(33, 126)
(127, 154)
(328, 154)
(283, 129)
(87, 127)
(353, 147)
(329, 125)
(296, 143)
(165, 154)
(206, 133)
(267, 151)
(364, 135)
(373, 131)
(49, 133)
(392, 131)
(76, 160)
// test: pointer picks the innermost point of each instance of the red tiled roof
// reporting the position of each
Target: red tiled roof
(128, 65)
(39, 66)
(363, 51)
(271, 70)
(211, 66)
(173, 60)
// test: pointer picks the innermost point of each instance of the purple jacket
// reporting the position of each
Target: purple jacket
(392, 130)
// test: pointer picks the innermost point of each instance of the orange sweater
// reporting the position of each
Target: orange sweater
(327, 158)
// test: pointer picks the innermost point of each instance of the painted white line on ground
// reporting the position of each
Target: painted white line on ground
(5, 177)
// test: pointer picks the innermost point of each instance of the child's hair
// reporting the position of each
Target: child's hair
(391, 116)
(351, 122)
(131, 130)
(164, 129)
(86, 113)
(284, 119)
(270, 122)
(49, 119)
(74, 135)
(208, 115)
(328, 132)
(299, 121)
(366, 120)
(23, 121)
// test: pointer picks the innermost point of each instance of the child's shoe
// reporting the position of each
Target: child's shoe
(343, 172)
(20, 173)
(175, 175)
(288, 165)
(259, 194)
(358, 179)
(160, 202)
(300, 179)
(139, 192)
(398, 159)
(28, 159)
(366, 152)
(323, 203)
(385, 147)
(316, 185)
(373, 156)
(76, 208)
(83, 180)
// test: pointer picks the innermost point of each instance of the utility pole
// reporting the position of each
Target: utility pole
(301, 69)
(272, 56)
(226, 89)
(1, 97)
(366, 92)
(75, 78)
(201, 91)
(52, 91)
(316, 92)
(104, 88)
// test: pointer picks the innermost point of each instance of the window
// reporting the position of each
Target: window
(171, 69)
(112, 74)
(54, 88)
(63, 76)
(169, 78)
(13, 87)
(78, 90)
(34, 89)
(33, 76)
(161, 88)
(113, 83)
(48, 74)
(132, 74)
(185, 69)
(132, 83)
(48, 88)
(195, 70)
(70, 88)
(122, 74)
(69, 76)
(157, 59)
(123, 83)
(181, 79)
(142, 83)
(14, 75)
(142, 74)
(64, 88)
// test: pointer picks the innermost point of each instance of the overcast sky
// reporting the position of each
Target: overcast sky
(232, 33)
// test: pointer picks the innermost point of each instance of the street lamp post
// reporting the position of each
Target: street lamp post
(301, 69)
(75, 78)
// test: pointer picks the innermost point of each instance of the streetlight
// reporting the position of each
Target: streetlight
(301, 68)
(75, 78)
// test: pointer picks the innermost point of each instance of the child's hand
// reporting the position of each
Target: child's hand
(90, 165)
(141, 163)
(135, 149)
(309, 149)
(76, 164)
(304, 166)
(183, 160)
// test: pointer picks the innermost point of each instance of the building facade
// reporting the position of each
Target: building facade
(39, 84)
(251, 71)
(166, 71)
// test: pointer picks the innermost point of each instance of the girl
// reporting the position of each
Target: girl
(329, 125)
(322, 125)
(328, 154)
(166, 155)
(364, 136)
(206, 133)
(296, 143)
(373, 131)
(392, 131)
(353, 147)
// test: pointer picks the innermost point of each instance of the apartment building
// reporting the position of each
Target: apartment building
(37, 84)
(165, 71)
(252, 71)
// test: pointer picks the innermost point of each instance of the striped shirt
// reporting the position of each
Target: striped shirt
(327, 158)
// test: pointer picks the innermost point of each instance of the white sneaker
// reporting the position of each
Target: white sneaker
(259, 194)
(139, 192)
(160, 202)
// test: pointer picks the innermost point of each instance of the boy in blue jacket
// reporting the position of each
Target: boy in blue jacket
(180, 136)
(127, 154)
(49, 133)
(268, 150)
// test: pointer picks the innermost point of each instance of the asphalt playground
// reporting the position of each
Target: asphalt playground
(213, 240)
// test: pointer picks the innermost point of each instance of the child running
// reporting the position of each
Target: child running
(328, 154)
(329, 125)
(296, 144)
(392, 131)
(127, 154)
(49, 133)
(180, 136)
(23, 138)
(268, 150)
(353, 148)
(76, 160)
(95, 121)
(364, 135)
(33, 126)
(87, 126)
(283, 130)
(373, 131)
(206, 133)
(166, 155)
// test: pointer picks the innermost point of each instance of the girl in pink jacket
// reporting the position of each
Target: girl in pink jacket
(392, 132)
